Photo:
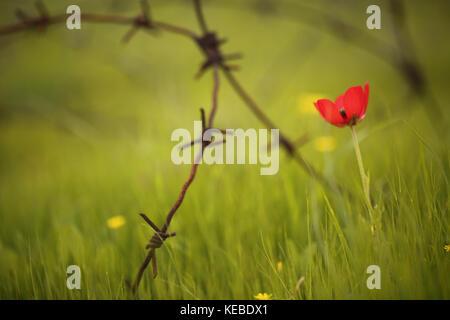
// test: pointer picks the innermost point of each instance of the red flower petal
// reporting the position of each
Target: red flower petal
(329, 112)
(340, 102)
(354, 99)
(366, 101)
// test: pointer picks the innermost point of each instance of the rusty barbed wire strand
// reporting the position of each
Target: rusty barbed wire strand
(200, 16)
(215, 91)
(409, 65)
(161, 235)
(139, 20)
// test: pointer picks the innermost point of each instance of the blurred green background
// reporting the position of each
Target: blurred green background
(85, 125)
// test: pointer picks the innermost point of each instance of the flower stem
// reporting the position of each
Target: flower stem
(364, 178)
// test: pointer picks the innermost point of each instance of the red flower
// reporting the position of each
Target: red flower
(349, 108)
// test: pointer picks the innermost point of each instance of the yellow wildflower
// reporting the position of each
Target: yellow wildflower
(305, 102)
(116, 222)
(325, 143)
(447, 247)
(263, 296)
(372, 228)
(279, 266)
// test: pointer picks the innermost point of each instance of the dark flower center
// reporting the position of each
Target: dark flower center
(354, 120)
(343, 114)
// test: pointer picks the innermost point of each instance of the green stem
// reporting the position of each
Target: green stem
(364, 178)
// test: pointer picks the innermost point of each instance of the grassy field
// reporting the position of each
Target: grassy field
(85, 125)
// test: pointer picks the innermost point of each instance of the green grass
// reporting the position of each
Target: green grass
(85, 135)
